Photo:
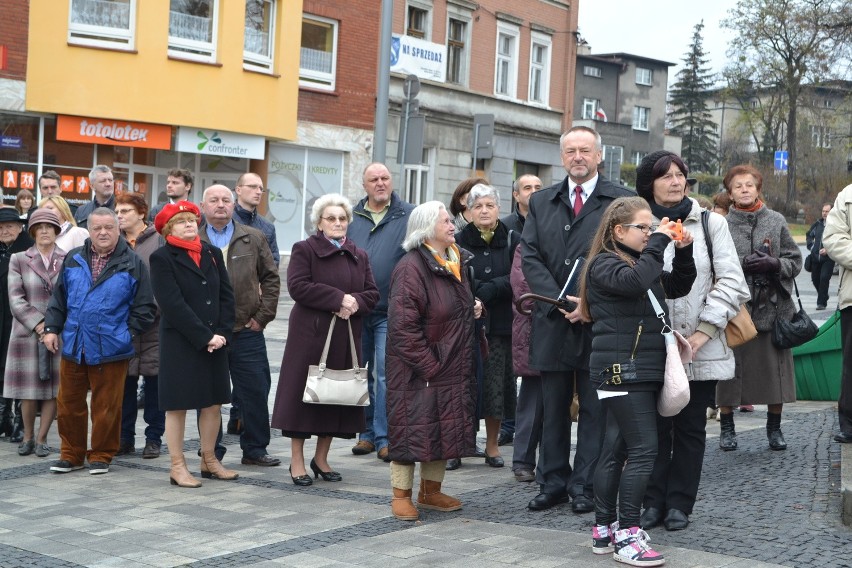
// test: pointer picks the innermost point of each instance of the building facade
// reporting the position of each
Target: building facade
(623, 96)
(144, 87)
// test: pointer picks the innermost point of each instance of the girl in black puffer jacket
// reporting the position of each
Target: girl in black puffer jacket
(628, 361)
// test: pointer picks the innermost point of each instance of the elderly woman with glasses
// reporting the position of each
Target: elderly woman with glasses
(327, 276)
(431, 384)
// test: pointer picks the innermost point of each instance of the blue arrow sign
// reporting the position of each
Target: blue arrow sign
(781, 160)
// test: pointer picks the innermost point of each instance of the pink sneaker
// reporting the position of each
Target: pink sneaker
(602, 538)
(631, 547)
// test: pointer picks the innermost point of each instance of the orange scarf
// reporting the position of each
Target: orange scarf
(757, 205)
(193, 248)
(453, 264)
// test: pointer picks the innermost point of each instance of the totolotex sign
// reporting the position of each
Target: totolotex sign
(220, 143)
(114, 132)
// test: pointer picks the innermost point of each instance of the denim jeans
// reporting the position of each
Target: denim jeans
(153, 416)
(249, 366)
(627, 457)
(373, 339)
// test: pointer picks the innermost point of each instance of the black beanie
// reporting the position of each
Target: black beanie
(645, 173)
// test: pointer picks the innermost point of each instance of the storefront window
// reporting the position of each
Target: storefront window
(297, 177)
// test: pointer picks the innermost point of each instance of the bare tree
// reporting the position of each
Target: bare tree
(791, 42)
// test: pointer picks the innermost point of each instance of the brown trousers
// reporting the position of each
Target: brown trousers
(107, 384)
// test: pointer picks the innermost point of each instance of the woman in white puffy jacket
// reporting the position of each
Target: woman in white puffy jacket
(701, 317)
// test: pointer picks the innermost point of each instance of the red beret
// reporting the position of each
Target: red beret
(172, 209)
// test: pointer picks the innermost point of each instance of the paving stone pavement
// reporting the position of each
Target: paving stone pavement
(756, 508)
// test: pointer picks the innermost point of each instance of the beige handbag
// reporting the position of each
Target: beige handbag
(330, 386)
(674, 396)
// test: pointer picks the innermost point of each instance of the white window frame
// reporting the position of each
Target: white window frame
(546, 42)
(317, 79)
(644, 76)
(101, 36)
(419, 179)
(641, 118)
(590, 107)
(821, 137)
(258, 62)
(592, 71)
(427, 24)
(514, 32)
(194, 50)
(464, 65)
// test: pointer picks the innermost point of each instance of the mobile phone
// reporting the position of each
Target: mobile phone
(678, 230)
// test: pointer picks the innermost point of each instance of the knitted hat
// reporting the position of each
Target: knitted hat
(10, 214)
(45, 216)
(645, 173)
(172, 209)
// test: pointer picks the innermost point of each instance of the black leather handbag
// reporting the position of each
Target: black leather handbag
(798, 331)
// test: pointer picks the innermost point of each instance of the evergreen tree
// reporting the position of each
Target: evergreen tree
(690, 118)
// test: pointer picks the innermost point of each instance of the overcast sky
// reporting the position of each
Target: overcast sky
(659, 29)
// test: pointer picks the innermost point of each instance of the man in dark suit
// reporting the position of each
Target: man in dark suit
(559, 227)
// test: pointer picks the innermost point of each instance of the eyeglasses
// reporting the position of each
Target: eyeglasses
(254, 187)
(124, 211)
(333, 219)
(647, 229)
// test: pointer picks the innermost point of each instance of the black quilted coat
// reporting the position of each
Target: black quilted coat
(429, 366)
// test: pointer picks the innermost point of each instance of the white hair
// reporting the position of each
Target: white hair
(421, 224)
(481, 190)
(329, 200)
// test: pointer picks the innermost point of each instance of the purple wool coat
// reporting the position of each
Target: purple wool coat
(318, 276)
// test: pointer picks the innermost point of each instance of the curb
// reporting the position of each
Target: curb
(846, 483)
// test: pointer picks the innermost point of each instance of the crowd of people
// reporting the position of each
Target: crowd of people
(429, 299)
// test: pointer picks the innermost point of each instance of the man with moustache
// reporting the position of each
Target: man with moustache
(559, 228)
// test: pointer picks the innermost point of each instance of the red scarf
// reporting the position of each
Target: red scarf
(755, 206)
(193, 248)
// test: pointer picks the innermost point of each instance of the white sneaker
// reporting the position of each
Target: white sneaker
(631, 547)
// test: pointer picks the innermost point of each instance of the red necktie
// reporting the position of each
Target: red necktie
(578, 199)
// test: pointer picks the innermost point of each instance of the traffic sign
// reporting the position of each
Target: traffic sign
(781, 157)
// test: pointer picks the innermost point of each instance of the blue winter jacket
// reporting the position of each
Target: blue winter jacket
(99, 320)
(383, 242)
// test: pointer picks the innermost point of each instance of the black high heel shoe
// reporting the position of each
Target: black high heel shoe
(326, 475)
(302, 480)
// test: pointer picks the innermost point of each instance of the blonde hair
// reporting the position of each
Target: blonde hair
(620, 212)
(62, 207)
(188, 215)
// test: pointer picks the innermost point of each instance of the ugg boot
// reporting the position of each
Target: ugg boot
(773, 432)
(402, 507)
(728, 437)
(212, 467)
(430, 497)
(179, 475)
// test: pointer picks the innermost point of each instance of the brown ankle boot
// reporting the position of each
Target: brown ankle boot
(179, 475)
(402, 507)
(430, 497)
(212, 467)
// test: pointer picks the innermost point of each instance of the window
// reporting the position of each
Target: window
(102, 23)
(640, 118)
(318, 63)
(506, 71)
(612, 158)
(644, 76)
(258, 47)
(590, 106)
(591, 71)
(418, 22)
(636, 159)
(540, 69)
(821, 137)
(192, 29)
(456, 51)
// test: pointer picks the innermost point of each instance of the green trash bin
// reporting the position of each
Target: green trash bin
(819, 363)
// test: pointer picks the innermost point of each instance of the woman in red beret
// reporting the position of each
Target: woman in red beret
(196, 302)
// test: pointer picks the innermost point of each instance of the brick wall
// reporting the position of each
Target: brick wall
(13, 35)
(353, 102)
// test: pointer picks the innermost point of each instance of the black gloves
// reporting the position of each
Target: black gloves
(761, 263)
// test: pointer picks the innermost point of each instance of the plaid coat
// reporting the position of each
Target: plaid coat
(30, 288)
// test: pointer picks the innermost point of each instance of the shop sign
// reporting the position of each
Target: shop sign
(114, 132)
(220, 143)
(414, 56)
(15, 142)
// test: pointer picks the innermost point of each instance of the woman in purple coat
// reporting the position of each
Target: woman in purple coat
(327, 276)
